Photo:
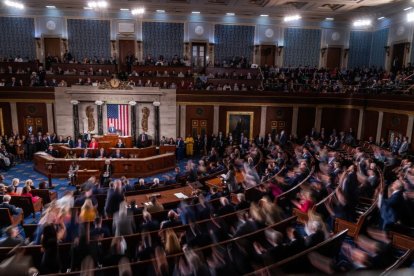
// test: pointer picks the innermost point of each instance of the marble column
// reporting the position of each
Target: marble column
(157, 123)
(263, 121)
(410, 123)
(50, 119)
(133, 105)
(360, 123)
(75, 113)
(14, 118)
(295, 116)
(100, 116)
(379, 126)
(216, 120)
(182, 120)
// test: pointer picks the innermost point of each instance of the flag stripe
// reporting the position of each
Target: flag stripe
(118, 116)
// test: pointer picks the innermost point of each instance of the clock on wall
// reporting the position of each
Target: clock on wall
(51, 25)
(269, 33)
(199, 30)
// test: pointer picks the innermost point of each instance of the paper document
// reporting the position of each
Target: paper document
(181, 195)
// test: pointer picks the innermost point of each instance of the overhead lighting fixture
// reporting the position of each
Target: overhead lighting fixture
(87, 8)
(51, 7)
(380, 18)
(160, 11)
(138, 11)
(195, 12)
(408, 8)
(329, 19)
(123, 9)
(97, 4)
(230, 13)
(362, 23)
(264, 15)
(410, 16)
(14, 4)
(291, 18)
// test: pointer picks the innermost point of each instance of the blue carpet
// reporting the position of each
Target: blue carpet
(24, 171)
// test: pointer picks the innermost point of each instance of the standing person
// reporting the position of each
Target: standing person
(189, 142)
(180, 148)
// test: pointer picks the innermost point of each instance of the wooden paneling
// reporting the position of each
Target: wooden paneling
(267, 55)
(333, 58)
(369, 125)
(256, 120)
(394, 122)
(52, 47)
(34, 110)
(306, 120)
(200, 112)
(279, 114)
(126, 47)
(6, 115)
(339, 118)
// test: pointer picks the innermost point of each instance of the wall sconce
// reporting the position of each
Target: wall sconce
(323, 51)
(387, 50)
(113, 44)
(407, 46)
(38, 42)
(279, 50)
(346, 51)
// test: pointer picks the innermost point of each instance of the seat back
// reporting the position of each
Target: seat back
(5, 217)
(23, 202)
(44, 194)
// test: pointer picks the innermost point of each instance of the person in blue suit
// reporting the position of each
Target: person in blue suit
(393, 207)
(111, 129)
(180, 148)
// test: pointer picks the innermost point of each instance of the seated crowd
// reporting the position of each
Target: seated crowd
(239, 226)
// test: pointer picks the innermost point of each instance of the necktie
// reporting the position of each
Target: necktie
(143, 138)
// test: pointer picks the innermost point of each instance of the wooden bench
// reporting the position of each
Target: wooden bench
(26, 204)
(6, 219)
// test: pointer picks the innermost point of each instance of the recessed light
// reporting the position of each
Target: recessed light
(410, 16)
(230, 13)
(292, 18)
(51, 7)
(408, 8)
(264, 15)
(160, 11)
(362, 23)
(329, 19)
(195, 12)
(87, 8)
(14, 4)
(380, 18)
(138, 11)
(123, 9)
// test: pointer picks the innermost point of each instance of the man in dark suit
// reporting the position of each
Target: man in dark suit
(142, 140)
(393, 207)
(12, 237)
(14, 211)
(111, 129)
(50, 150)
(114, 198)
(117, 154)
(172, 220)
(70, 142)
(80, 144)
(107, 172)
(180, 148)
(86, 154)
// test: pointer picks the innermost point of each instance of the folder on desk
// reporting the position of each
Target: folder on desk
(181, 195)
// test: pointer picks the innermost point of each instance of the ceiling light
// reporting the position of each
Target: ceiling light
(87, 8)
(51, 7)
(138, 11)
(380, 18)
(264, 15)
(230, 13)
(408, 8)
(123, 9)
(14, 4)
(329, 18)
(195, 12)
(410, 16)
(160, 11)
(292, 18)
(97, 4)
(362, 23)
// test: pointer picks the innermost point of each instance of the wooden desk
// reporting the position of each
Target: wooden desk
(219, 184)
(129, 167)
(112, 139)
(167, 148)
(83, 175)
(166, 197)
(126, 152)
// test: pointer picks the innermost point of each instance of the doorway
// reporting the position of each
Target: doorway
(267, 55)
(51, 48)
(33, 125)
(333, 58)
(198, 54)
(126, 48)
(398, 54)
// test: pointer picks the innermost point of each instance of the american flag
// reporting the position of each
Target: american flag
(118, 116)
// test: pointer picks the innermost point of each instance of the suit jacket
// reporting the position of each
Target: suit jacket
(122, 145)
(71, 143)
(13, 210)
(111, 130)
(117, 156)
(87, 155)
(392, 209)
(81, 145)
(107, 168)
(142, 140)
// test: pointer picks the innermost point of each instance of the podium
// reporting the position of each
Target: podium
(111, 139)
(83, 175)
